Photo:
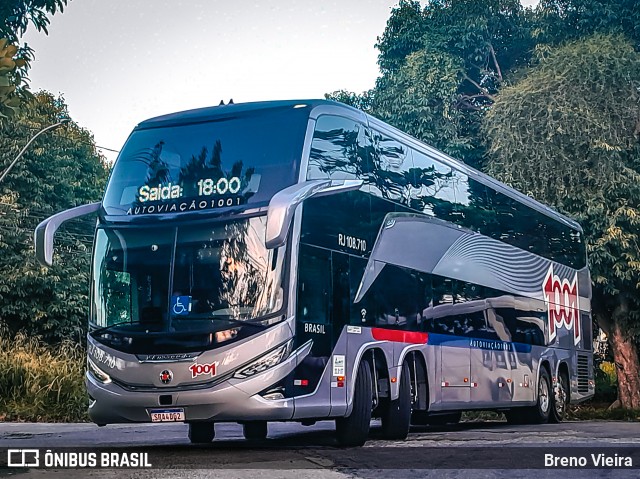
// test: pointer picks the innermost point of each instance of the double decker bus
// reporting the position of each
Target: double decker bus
(304, 261)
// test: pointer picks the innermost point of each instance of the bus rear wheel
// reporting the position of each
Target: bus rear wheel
(560, 399)
(201, 432)
(353, 430)
(540, 413)
(396, 418)
(255, 430)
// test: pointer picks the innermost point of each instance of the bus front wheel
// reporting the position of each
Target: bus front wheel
(353, 430)
(396, 419)
(201, 432)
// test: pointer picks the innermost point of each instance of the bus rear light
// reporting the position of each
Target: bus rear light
(267, 361)
(500, 385)
(445, 384)
(508, 381)
(340, 378)
(300, 382)
(466, 380)
(393, 380)
(474, 385)
(340, 384)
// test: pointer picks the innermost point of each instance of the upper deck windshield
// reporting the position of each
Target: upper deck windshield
(194, 285)
(216, 163)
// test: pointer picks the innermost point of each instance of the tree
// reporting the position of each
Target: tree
(15, 16)
(61, 169)
(568, 134)
(10, 79)
(442, 66)
(557, 21)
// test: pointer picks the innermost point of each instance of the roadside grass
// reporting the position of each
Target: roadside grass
(592, 411)
(40, 382)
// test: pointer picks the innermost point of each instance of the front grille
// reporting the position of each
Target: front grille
(583, 373)
(167, 389)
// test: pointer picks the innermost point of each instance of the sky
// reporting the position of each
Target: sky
(119, 62)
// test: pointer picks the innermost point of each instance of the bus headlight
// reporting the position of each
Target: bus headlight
(98, 373)
(269, 360)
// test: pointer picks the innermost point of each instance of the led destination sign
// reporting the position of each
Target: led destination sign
(166, 198)
(206, 187)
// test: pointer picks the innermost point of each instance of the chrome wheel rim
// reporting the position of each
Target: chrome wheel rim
(543, 393)
(561, 397)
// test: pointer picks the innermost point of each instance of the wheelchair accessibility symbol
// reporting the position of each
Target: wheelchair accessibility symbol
(181, 305)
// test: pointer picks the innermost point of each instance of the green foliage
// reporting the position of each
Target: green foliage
(11, 77)
(39, 382)
(362, 102)
(561, 20)
(15, 16)
(419, 98)
(567, 134)
(61, 169)
(589, 412)
(15, 60)
(442, 65)
(606, 381)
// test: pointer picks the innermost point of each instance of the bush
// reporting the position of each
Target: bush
(606, 382)
(40, 382)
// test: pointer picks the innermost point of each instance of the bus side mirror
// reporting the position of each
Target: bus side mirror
(284, 203)
(43, 236)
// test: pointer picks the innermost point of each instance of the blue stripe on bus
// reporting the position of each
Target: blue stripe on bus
(476, 343)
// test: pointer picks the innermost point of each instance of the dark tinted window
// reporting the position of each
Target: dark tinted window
(391, 163)
(432, 187)
(337, 150)
(221, 163)
(452, 196)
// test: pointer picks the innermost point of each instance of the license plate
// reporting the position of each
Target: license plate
(167, 415)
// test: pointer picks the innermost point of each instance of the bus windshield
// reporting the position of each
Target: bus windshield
(221, 162)
(190, 278)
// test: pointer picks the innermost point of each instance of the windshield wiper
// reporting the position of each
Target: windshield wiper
(227, 317)
(119, 323)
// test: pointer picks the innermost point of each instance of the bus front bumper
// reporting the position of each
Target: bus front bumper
(230, 400)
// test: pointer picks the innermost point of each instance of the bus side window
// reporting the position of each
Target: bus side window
(432, 187)
(337, 150)
(391, 168)
(442, 291)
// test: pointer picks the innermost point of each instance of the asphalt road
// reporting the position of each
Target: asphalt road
(478, 450)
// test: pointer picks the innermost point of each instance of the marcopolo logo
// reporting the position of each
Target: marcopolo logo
(561, 297)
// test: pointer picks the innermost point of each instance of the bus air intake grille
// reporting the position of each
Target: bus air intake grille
(583, 373)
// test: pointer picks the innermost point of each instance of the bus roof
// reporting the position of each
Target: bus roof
(211, 113)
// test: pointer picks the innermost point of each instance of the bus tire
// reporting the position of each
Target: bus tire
(353, 430)
(539, 414)
(255, 430)
(560, 397)
(396, 418)
(201, 432)
(444, 419)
